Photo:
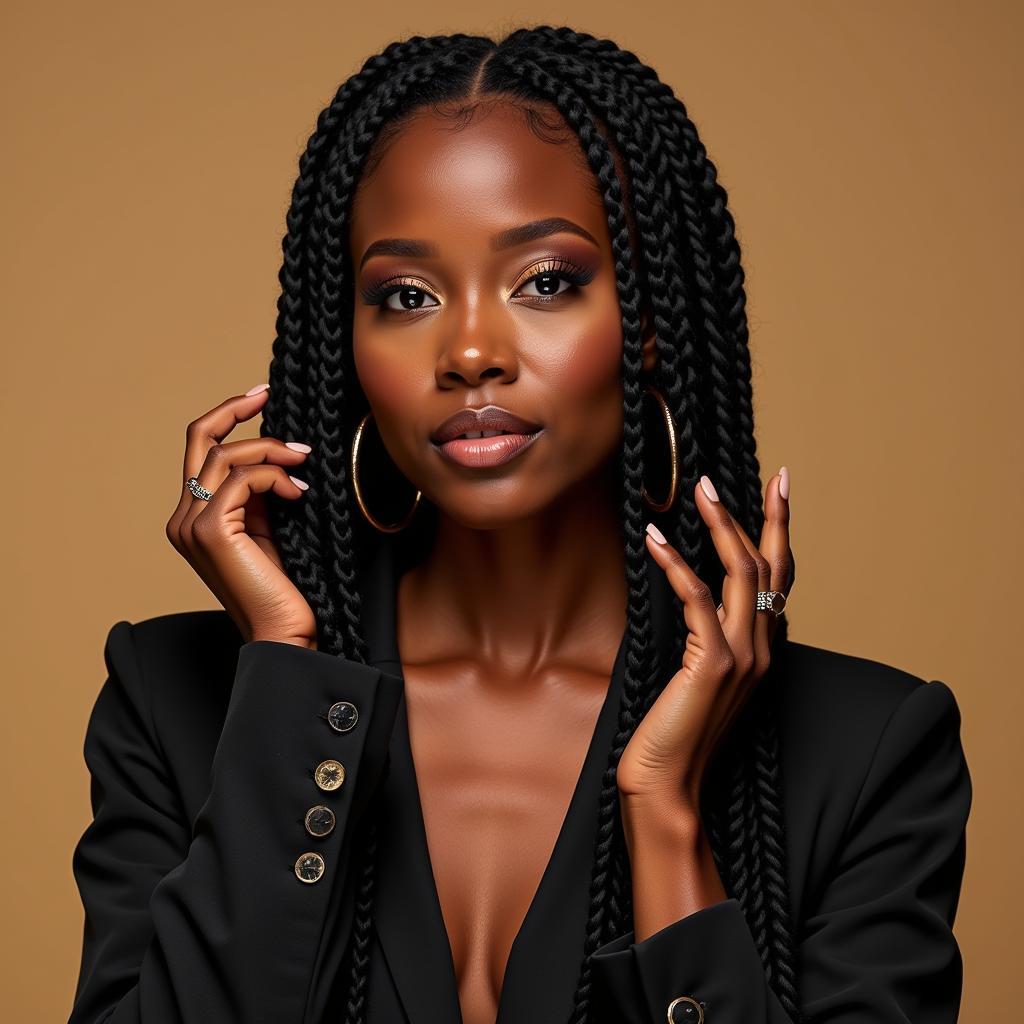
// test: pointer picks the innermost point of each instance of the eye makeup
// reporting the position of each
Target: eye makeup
(559, 268)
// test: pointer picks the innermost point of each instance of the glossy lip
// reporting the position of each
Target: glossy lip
(490, 417)
(485, 452)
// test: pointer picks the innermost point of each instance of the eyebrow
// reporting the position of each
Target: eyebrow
(535, 229)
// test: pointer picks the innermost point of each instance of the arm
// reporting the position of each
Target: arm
(878, 945)
(204, 921)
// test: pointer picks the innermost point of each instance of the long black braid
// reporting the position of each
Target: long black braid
(676, 255)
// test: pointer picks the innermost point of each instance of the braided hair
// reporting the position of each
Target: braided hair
(676, 255)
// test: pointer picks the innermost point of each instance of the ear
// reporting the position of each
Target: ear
(650, 356)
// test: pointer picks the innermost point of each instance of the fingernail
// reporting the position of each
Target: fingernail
(256, 390)
(299, 483)
(297, 446)
(658, 536)
(709, 488)
(784, 483)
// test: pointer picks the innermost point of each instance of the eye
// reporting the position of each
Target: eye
(399, 296)
(552, 279)
(547, 284)
(408, 297)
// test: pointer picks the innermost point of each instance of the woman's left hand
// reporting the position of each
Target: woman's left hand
(727, 651)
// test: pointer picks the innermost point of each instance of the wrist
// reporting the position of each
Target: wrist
(294, 640)
(663, 821)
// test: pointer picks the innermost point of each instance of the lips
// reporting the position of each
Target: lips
(489, 421)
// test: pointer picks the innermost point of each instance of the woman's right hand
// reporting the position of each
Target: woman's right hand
(227, 540)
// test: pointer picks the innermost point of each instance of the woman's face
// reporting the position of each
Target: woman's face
(458, 304)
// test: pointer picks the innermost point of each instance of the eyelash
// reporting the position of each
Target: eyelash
(567, 270)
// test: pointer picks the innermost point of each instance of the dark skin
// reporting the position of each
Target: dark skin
(482, 643)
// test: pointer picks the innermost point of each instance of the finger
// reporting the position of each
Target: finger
(209, 429)
(222, 458)
(775, 541)
(224, 514)
(761, 624)
(739, 588)
(705, 630)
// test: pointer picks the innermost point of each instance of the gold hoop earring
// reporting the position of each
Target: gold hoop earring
(673, 449)
(354, 466)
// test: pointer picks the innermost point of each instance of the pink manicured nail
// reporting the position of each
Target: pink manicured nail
(784, 483)
(256, 390)
(708, 488)
(297, 446)
(299, 483)
(658, 536)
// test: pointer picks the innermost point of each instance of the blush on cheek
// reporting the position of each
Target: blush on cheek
(587, 390)
(594, 368)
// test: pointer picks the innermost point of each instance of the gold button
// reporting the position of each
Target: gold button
(692, 1012)
(309, 867)
(320, 820)
(330, 774)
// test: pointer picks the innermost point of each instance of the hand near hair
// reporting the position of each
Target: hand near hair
(727, 652)
(227, 539)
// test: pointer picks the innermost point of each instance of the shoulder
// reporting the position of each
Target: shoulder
(200, 641)
(850, 693)
(836, 706)
(846, 721)
(178, 665)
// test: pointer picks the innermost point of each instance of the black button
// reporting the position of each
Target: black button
(342, 716)
(319, 820)
(309, 867)
(686, 1010)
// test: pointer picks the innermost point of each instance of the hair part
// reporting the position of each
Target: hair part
(677, 259)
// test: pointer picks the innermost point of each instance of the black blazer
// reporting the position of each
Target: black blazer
(202, 752)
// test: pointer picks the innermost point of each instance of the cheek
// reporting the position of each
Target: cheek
(393, 383)
(587, 385)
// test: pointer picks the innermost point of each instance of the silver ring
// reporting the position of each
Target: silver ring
(198, 489)
(771, 601)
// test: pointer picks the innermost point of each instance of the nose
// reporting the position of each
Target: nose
(473, 355)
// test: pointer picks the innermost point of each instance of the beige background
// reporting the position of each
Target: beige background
(872, 157)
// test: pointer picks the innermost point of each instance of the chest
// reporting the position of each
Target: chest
(496, 766)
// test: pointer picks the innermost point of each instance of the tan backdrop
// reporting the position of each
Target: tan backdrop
(872, 158)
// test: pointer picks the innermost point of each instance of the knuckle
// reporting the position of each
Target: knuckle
(744, 662)
(171, 532)
(700, 592)
(217, 454)
(782, 569)
(748, 570)
(203, 531)
(764, 569)
(726, 662)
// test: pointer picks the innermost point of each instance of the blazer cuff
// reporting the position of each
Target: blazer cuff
(708, 955)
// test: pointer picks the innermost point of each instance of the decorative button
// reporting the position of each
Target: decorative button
(319, 820)
(329, 774)
(309, 867)
(342, 716)
(685, 1010)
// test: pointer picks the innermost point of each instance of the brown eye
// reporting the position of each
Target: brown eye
(406, 297)
(547, 284)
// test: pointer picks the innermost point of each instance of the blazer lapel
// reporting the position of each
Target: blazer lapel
(407, 914)
(543, 966)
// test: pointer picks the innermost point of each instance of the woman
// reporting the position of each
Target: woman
(598, 783)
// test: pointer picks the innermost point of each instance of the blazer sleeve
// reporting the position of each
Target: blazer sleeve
(877, 946)
(209, 920)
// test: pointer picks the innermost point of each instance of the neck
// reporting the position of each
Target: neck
(547, 588)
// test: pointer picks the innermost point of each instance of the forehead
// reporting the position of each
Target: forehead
(441, 176)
